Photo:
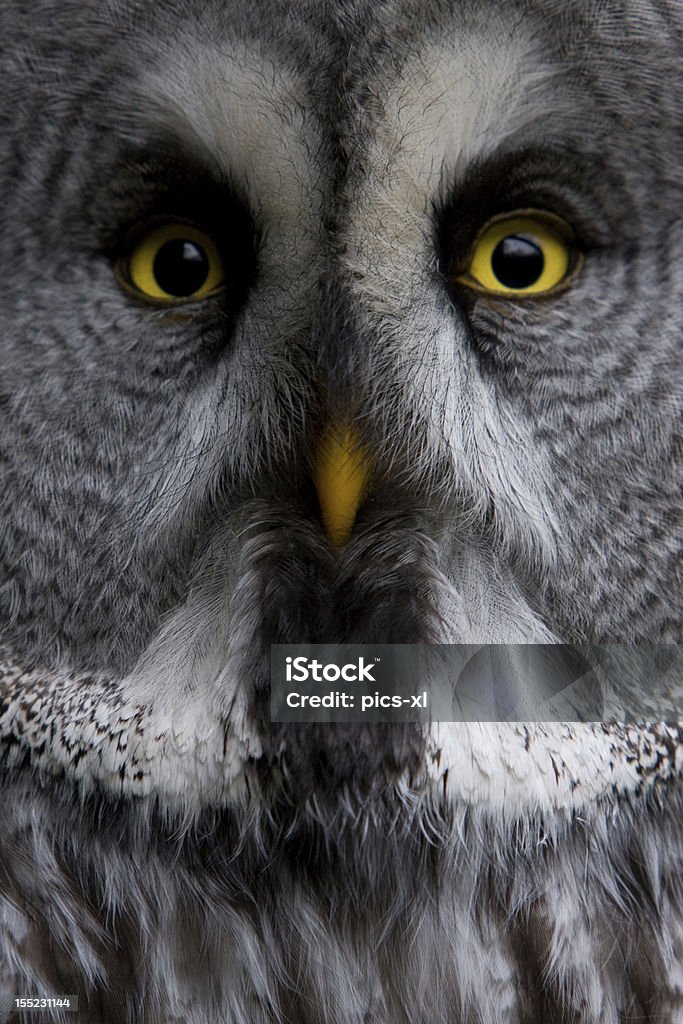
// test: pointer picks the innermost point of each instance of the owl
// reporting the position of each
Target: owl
(354, 322)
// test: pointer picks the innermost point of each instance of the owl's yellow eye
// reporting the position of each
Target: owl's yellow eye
(173, 263)
(525, 253)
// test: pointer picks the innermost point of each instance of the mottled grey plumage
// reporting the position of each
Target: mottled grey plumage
(165, 851)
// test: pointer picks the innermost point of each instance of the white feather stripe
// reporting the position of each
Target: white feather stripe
(93, 728)
(512, 769)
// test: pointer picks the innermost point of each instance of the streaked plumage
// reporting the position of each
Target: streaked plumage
(166, 852)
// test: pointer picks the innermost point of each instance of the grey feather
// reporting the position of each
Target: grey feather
(166, 852)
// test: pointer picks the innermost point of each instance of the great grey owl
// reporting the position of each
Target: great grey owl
(449, 234)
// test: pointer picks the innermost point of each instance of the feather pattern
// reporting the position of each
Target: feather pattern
(167, 852)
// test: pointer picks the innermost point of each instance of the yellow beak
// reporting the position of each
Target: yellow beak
(340, 475)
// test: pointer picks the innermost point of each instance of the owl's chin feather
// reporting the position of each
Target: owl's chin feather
(189, 756)
(190, 724)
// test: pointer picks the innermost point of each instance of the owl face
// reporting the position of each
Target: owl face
(448, 239)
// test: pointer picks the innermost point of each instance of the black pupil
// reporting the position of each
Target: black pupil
(517, 261)
(181, 267)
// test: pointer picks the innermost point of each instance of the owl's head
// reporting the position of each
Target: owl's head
(245, 244)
